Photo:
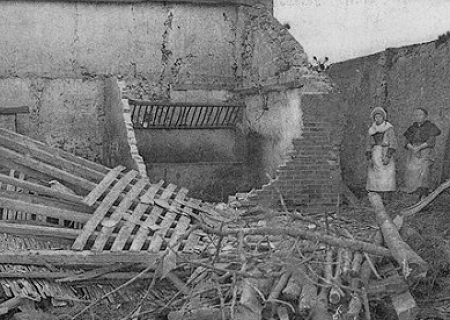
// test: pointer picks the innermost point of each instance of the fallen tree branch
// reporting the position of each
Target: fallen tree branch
(406, 257)
(423, 203)
(305, 234)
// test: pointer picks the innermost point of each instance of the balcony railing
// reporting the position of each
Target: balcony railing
(170, 115)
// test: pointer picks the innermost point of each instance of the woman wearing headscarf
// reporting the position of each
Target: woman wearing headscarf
(420, 141)
(381, 146)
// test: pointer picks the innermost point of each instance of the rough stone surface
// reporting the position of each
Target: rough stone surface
(56, 55)
(398, 79)
(53, 117)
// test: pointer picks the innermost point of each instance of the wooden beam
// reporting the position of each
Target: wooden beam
(69, 258)
(30, 186)
(63, 274)
(14, 110)
(26, 147)
(47, 169)
(9, 164)
(41, 206)
(54, 151)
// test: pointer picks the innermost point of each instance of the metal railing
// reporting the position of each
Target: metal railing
(170, 115)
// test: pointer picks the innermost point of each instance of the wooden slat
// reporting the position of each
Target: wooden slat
(141, 235)
(125, 232)
(51, 158)
(124, 205)
(10, 213)
(182, 224)
(194, 239)
(149, 197)
(103, 185)
(103, 209)
(70, 258)
(54, 151)
(158, 236)
(30, 186)
(47, 169)
(30, 173)
(40, 206)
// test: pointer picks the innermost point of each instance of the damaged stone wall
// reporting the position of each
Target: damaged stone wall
(398, 79)
(310, 176)
(56, 56)
(287, 137)
(119, 142)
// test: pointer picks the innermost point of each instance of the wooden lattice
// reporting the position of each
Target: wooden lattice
(133, 214)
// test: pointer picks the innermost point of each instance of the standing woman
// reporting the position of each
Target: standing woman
(381, 146)
(420, 141)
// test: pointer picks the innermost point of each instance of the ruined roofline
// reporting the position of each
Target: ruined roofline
(248, 3)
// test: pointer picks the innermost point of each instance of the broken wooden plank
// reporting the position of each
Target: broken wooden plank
(103, 209)
(7, 212)
(168, 220)
(91, 274)
(182, 224)
(29, 173)
(96, 193)
(67, 274)
(42, 190)
(125, 232)
(70, 258)
(116, 216)
(47, 169)
(159, 235)
(41, 206)
(51, 158)
(143, 231)
(54, 151)
(193, 241)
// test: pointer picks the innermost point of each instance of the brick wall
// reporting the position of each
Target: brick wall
(310, 179)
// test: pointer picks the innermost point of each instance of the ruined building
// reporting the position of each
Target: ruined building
(217, 97)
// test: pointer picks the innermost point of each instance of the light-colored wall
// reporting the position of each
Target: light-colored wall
(55, 56)
(151, 41)
(67, 113)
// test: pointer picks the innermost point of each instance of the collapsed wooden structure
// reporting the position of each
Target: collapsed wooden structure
(110, 224)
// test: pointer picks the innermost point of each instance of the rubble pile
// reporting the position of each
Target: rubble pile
(75, 232)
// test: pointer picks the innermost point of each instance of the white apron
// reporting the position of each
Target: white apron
(417, 171)
(381, 177)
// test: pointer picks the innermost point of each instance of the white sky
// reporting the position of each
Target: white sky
(345, 29)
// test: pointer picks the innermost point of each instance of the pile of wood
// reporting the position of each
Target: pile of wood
(114, 226)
